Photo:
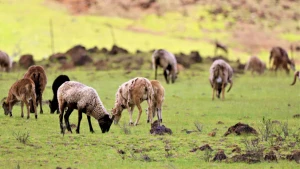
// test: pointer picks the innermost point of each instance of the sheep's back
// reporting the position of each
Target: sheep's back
(166, 58)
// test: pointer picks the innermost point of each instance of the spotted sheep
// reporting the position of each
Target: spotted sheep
(130, 94)
(75, 95)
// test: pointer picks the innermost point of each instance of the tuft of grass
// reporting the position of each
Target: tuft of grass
(22, 137)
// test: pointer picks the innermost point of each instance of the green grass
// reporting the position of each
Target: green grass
(186, 101)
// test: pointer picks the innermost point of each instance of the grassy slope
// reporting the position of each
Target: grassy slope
(27, 24)
(187, 101)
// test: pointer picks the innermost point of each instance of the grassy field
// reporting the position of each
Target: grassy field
(186, 102)
(27, 27)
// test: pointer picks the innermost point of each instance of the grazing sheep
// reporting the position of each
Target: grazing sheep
(38, 76)
(131, 93)
(75, 95)
(159, 96)
(22, 90)
(255, 64)
(281, 59)
(220, 74)
(219, 45)
(5, 61)
(297, 74)
(167, 61)
(53, 104)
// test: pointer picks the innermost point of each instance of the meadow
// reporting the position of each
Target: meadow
(187, 102)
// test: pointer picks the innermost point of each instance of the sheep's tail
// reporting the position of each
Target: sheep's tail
(231, 83)
(295, 77)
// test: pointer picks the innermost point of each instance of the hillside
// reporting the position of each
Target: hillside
(246, 27)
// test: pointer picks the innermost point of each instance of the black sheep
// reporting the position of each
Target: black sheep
(56, 84)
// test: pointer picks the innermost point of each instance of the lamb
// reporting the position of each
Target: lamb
(38, 76)
(159, 96)
(131, 93)
(75, 95)
(255, 64)
(5, 61)
(167, 61)
(297, 74)
(53, 104)
(220, 74)
(281, 59)
(22, 90)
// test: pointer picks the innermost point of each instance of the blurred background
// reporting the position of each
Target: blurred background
(42, 28)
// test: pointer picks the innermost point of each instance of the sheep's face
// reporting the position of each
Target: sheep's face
(292, 65)
(52, 107)
(105, 123)
(117, 113)
(5, 107)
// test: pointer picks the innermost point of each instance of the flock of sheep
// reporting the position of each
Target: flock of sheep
(69, 95)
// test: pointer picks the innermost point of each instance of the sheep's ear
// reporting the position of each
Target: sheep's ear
(4, 98)
(112, 118)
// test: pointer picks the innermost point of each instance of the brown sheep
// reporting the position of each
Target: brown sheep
(220, 74)
(5, 61)
(255, 65)
(38, 76)
(159, 96)
(297, 74)
(130, 94)
(23, 90)
(281, 59)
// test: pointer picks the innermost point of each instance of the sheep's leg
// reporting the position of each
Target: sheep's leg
(159, 115)
(130, 114)
(139, 115)
(155, 72)
(61, 115)
(213, 94)
(90, 124)
(41, 107)
(223, 91)
(28, 111)
(10, 109)
(22, 105)
(286, 69)
(67, 115)
(166, 76)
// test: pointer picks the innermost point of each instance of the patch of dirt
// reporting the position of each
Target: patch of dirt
(158, 129)
(271, 156)
(220, 155)
(202, 148)
(248, 157)
(240, 128)
(295, 155)
(296, 116)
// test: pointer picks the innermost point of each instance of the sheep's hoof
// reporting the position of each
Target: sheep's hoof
(27, 117)
(77, 132)
(135, 124)
(35, 116)
(148, 121)
(92, 131)
(41, 112)
(131, 123)
(21, 116)
(161, 120)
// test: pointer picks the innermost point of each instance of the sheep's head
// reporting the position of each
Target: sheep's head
(292, 64)
(117, 113)
(5, 107)
(105, 123)
(52, 107)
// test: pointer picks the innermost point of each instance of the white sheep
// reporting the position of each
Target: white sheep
(75, 95)
(220, 74)
(167, 61)
(130, 94)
